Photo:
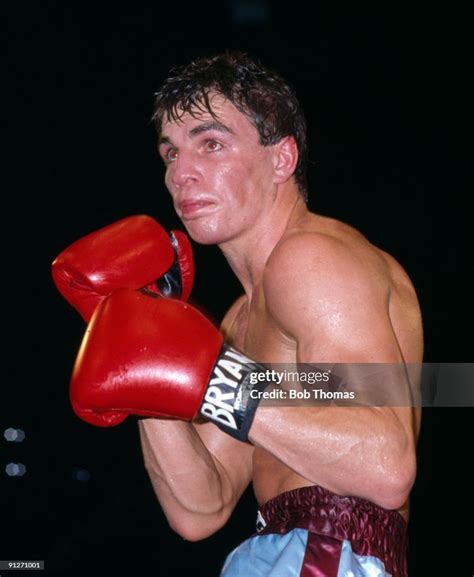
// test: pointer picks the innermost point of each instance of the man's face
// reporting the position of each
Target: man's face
(220, 177)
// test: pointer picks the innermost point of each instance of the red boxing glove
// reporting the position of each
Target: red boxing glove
(134, 252)
(161, 358)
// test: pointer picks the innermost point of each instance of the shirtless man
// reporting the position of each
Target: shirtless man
(332, 483)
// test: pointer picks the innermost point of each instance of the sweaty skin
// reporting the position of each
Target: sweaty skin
(316, 291)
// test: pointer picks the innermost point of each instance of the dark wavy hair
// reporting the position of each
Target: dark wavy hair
(258, 92)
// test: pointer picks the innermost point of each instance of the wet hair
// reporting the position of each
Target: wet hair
(261, 94)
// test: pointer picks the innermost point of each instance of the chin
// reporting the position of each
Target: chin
(205, 235)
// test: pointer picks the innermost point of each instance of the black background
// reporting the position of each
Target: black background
(384, 91)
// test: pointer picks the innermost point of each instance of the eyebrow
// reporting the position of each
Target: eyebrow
(211, 125)
(205, 127)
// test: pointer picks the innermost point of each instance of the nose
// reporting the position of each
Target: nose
(183, 171)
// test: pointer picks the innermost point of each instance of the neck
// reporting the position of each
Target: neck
(247, 255)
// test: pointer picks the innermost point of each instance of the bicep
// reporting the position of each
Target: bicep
(357, 342)
(334, 308)
(355, 330)
(338, 315)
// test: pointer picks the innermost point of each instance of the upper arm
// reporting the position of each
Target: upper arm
(330, 301)
(335, 305)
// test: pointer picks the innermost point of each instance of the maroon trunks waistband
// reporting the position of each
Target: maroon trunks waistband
(370, 529)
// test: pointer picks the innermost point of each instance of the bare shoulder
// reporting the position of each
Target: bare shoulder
(327, 251)
(327, 277)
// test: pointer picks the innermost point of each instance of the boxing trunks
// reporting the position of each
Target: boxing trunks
(311, 532)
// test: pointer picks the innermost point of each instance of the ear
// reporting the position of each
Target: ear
(286, 159)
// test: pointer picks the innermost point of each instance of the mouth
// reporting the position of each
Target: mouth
(194, 208)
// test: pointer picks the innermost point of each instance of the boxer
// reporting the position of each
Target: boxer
(332, 483)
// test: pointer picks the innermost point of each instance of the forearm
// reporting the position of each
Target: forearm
(366, 452)
(190, 483)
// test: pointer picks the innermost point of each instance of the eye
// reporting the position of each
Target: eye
(170, 155)
(212, 145)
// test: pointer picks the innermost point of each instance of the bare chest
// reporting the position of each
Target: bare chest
(255, 333)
